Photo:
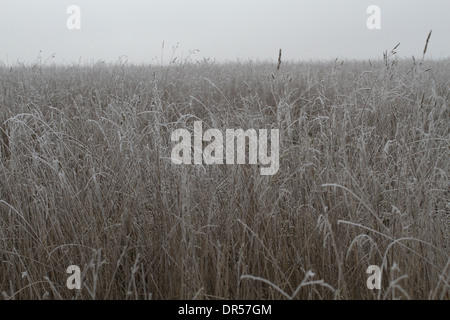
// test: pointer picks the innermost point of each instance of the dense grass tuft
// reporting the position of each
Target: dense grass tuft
(86, 179)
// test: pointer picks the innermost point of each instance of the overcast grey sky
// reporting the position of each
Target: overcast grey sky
(220, 29)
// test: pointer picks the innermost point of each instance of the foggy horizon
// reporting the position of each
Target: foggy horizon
(222, 31)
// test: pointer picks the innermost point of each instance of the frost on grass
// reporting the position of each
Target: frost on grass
(363, 179)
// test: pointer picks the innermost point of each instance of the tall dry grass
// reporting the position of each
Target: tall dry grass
(86, 179)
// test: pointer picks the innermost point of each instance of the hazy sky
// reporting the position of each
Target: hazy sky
(220, 29)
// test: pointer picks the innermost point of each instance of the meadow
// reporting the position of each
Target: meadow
(86, 179)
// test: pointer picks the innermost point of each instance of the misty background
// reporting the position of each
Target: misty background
(224, 30)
